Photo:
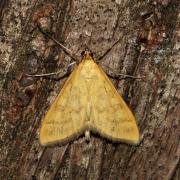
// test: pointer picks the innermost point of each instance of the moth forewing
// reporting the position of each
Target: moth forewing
(88, 99)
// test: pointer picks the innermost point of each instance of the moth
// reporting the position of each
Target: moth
(88, 102)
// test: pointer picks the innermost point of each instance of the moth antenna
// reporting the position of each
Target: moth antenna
(65, 49)
(107, 51)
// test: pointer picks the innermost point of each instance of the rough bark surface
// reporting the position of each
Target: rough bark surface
(149, 36)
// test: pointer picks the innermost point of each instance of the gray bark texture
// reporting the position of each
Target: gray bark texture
(149, 44)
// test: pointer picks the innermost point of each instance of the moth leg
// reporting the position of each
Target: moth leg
(59, 74)
(115, 75)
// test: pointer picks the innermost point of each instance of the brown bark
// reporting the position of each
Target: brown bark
(149, 46)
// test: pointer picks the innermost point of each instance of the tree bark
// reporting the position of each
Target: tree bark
(148, 34)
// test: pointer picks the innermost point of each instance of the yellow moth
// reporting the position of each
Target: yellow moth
(88, 102)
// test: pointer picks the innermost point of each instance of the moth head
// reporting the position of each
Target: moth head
(87, 54)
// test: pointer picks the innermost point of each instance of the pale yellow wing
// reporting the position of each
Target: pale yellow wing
(110, 116)
(66, 117)
(88, 101)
